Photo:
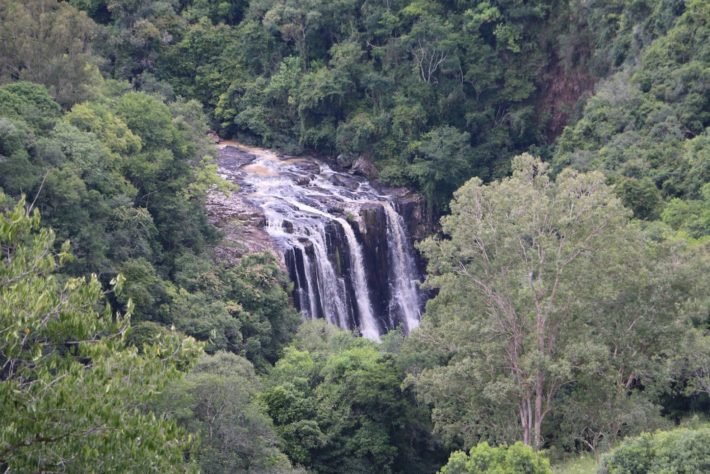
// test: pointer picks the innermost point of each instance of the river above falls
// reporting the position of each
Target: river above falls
(342, 239)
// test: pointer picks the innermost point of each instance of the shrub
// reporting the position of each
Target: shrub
(515, 459)
(678, 451)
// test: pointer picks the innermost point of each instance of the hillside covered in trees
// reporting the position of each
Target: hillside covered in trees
(562, 150)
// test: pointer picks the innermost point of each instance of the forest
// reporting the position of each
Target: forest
(562, 152)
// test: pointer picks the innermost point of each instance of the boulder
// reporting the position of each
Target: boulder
(345, 160)
(364, 166)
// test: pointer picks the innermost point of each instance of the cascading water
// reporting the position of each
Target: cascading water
(405, 294)
(344, 244)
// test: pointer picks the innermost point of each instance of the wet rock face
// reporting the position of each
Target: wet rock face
(295, 259)
(412, 207)
(345, 243)
(241, 222)
(339, 256)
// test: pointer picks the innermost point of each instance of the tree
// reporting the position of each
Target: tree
(72, 391)
(442, 160)
(172, 171)
(31, 103)
(227, 11)
(690, 215)
(646, 125)
(48, 42)
(308, 24)
(429, 44)
(217, 400)
(138, 32)
(295, 21)
(339, 407)
(109, 129)
(346, 427)
(545, 290)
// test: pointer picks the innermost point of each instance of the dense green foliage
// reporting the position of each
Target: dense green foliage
(48, 42)
(514, 459)
(72, 391)
(570, 303)
(394, 81)
(679, 451)
(358, 78)
(647, 127)
(124, 177)
(337, 402)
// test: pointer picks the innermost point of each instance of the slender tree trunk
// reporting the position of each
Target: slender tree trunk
(539, 378)
(527, 420)
(537, 424)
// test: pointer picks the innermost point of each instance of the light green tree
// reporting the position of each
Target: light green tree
(72, 391)
(48, 42)
(683, 450)
(546, 291)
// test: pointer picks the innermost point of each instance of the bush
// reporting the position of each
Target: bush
(515, 459)
(678, 451)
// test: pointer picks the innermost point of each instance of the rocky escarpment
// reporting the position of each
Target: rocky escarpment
(240, 221)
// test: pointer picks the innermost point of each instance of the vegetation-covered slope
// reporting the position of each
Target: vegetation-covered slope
(571, 305)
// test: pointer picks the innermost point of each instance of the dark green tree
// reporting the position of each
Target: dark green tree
(337, 403)
(217, 401)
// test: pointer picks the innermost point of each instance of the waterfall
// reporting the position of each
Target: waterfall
(367, 319)
(405, 295)
(345, 246)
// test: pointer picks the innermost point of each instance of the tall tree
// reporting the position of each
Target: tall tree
(544, 288)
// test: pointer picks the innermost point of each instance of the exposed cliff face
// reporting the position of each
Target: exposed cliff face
(563, 91)
(346, 243)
